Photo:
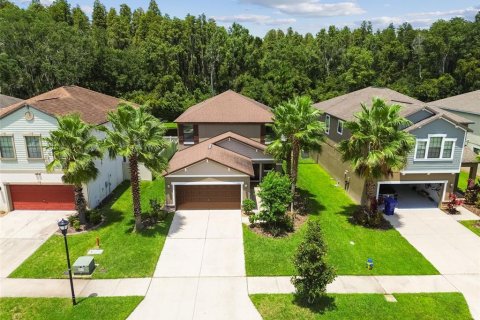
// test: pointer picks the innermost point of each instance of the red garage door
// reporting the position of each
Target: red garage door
(34, 197)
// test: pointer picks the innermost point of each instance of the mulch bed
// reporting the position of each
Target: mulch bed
(298, 222)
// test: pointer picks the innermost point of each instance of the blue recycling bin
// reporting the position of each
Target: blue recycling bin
(390, 204)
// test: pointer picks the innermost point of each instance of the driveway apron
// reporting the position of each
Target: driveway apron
(22, 232)
(201, 270)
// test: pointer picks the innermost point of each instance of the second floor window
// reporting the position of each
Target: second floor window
(327, 124)
(34, 147)
(188, 134)
(435, 147)
(340, 127)
(7, 150)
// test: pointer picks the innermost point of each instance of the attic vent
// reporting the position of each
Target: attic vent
(210, 146)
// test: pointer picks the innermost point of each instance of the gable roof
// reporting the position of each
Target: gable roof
(227, 107)
(5, 101)
(92, 106)
(209, 150)
(467, 102)
(346, 106)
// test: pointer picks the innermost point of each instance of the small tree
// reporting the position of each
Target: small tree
(276, 195)
(313, 273)
(248, 205)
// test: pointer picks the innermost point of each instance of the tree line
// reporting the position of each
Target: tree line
(169, 63)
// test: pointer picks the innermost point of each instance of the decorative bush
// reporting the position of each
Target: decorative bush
(76, 225)
(276, 195)
(248, 205)
(157, 212)
(453, 204)
(313, 272)
(72, 219)
(94, 216)
(363, 217)
(471, 194)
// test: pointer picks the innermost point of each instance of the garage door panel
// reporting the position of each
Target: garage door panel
(208, 197)
(42, 197)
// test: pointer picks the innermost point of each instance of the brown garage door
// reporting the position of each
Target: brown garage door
(208, 197)
(35, 197)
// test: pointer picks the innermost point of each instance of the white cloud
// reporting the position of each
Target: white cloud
(254, 18)
(310, 8)
(423, 19)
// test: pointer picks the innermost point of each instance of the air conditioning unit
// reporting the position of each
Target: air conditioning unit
(84, 265)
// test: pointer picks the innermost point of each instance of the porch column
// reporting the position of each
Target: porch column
(473, 171)
(260, 173)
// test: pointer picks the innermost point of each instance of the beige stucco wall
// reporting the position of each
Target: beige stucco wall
(207, 130)
(329, 159)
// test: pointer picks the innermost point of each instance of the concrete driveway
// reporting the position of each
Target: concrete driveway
(201, 270)
(449, 246)
(22, 232)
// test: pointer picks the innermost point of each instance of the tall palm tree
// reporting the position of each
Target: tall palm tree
(377, 145)
(74, 150)
(138, 136)
(297, 126)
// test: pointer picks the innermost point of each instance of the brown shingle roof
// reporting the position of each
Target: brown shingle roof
(5, 101)
(468, 102)
(90, 105)
(346, 106)
(209, 150)
(227, 107)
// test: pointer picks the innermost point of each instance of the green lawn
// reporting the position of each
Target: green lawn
(108, 308)
(462, 181)
(170, 125)
(391, 253)
(470, 224)
(126, 254)
(423, 306)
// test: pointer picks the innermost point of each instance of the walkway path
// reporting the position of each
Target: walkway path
(201, 270)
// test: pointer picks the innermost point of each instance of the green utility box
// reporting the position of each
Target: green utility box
(84, 265)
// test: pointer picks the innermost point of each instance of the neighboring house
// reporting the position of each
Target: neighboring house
(228, 111)
(222, 153)
(24, 181)
(432, 168)
(465, 105)
(6, 101)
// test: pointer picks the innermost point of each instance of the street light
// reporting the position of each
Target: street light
(63, 226)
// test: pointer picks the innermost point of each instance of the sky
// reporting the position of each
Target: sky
(303, 16)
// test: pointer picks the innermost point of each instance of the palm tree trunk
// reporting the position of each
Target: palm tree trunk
(135, 183)
(80, 204)
(370, 189)
(294, 173)
(288, 160)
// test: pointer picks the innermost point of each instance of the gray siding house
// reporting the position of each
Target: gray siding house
(432, 167)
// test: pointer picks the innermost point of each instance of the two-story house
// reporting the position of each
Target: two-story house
(24, 181)
(221, 152)
(432, 167)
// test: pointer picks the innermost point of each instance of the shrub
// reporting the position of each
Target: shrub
(313, 273)
(76, 225)
(248, 205)
(276, 195)
(252, 218)
(72, 219)
(477, 204)
(453, 204)
(94, 216)
(363, 217)
(157, 212)
(471, 193)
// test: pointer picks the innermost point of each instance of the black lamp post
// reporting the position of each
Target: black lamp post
(63, 226)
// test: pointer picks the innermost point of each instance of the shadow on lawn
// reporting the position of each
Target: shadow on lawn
(325, 304)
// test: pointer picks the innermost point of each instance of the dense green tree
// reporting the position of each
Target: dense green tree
(99, 15)
(74, 150)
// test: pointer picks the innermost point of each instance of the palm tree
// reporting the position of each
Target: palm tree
(377, 145)
(297, 126)
(74, 150)
(138, 136)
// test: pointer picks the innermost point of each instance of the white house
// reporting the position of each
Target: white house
(24, 182)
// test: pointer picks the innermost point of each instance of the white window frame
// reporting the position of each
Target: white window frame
(340, 124)
(42, 155)
(13, 145)
(327, 120)
(189, 142)
(444, 139)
